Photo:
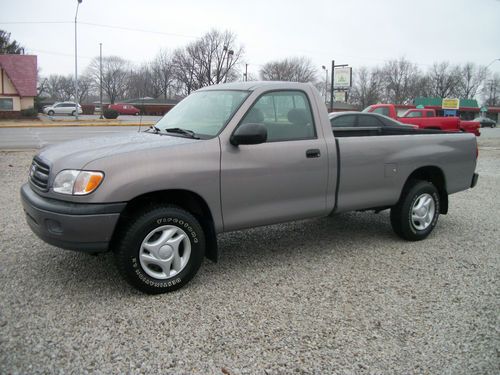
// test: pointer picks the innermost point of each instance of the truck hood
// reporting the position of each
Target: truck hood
(76, 154)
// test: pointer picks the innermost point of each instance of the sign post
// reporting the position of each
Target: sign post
(341, 80)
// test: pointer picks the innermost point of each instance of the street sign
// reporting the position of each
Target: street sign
(342, 77)
(450, 103)
(340, 96)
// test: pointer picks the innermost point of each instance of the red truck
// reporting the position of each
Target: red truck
(426, 118)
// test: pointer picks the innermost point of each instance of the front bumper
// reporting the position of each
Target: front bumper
(74, 226)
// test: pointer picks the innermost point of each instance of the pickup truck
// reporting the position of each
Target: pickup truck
(230, 157)
(426, 119)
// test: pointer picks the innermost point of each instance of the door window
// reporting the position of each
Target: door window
(346, 121)
(286, 115)
(414, 114)
(382, 111)
(368, 121)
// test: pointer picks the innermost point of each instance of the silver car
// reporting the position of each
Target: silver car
(62, 108)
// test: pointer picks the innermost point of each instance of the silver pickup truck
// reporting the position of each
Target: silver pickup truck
(230, 157)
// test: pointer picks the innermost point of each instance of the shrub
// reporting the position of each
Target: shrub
(29, 112)
(110, 113)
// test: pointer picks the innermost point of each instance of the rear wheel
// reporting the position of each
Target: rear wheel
(160, 250)
(416, 214)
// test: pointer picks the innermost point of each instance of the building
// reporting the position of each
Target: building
(18, 75)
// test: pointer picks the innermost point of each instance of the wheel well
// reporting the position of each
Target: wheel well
(185, 199)
(434, 175)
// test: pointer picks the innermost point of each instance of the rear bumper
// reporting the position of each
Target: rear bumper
(475, 177)
(73, 226)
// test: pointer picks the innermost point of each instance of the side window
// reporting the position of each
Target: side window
(414, 114)
(6, 104)
(286, 115)
(368, 121)
(346, 121)
(430, 114)
(382, 111)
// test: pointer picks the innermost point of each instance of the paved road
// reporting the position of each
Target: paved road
(34, 138)
(126, 118)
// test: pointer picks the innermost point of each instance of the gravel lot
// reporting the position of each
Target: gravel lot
(341, 295)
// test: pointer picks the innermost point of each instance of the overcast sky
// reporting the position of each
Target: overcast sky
(357, 32)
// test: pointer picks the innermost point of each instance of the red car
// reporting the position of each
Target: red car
(426, 118)
(125, 109)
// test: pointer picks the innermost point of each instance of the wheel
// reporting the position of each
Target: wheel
(160, 250)
(73, 113)
(50, 113)
(493, 126)
(415, 215)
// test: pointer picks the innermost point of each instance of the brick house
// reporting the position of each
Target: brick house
(18, 75)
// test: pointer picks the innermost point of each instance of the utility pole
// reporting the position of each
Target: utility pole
(229, 54)
(326, 83)
(76, 61)
(100, 78)
(246, 72)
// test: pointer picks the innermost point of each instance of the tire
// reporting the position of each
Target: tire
(415, 215)
(156, 240)
(493, 126)
(50, 113)
(73, 113)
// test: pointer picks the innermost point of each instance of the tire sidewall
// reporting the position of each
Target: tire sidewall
(131, 245)
(414, 194)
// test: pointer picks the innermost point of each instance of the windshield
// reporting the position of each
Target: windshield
(204, 113)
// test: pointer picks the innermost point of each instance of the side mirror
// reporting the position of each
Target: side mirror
(249, 134)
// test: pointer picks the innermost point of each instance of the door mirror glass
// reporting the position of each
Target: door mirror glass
(249, 134)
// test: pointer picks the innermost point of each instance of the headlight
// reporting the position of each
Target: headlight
(77, 182)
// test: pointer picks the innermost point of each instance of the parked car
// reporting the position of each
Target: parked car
(124, 109)
(486, 122)
(426, 119)
(362, 122)
(62, 108)
(230, 157)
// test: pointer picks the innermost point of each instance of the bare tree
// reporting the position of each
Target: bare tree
(470, 79)
(367, 87)
(444, 80)
(296, 69)
(210, 60)
(491, 91)
(115, 73)
(163, 74)
(400, 80)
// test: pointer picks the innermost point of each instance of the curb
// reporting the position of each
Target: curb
(68, 125)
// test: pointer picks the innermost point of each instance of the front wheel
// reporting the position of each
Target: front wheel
(493, 126)
(51, 113)
(415, 215)
(160, 250)
(73, 113)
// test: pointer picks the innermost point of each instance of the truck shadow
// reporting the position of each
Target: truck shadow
(240, 252)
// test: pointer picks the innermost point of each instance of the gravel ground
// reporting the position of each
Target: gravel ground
(340, 295)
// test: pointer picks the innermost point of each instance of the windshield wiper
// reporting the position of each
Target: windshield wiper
(187, 132)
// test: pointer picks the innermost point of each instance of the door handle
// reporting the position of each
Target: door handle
(313, 153)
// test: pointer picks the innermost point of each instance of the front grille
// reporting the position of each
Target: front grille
(39, 174)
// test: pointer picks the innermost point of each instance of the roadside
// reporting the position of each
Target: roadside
(44, 121)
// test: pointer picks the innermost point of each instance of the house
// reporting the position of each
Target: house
(18, 75)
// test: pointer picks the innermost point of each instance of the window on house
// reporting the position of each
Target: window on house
(6, 104)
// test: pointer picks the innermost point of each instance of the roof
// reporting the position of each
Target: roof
(437, 102)
(252, 85)
(21, 70)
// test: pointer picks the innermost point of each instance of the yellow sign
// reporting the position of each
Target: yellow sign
(450, 103)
